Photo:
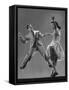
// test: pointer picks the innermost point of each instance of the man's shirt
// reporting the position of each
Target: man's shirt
(34, 38)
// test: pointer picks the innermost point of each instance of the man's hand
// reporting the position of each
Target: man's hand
(19, 35)
(50, 34)
(21, 38)
(43, 35)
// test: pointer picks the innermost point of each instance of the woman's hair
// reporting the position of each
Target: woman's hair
(56, 25)
(27, 26)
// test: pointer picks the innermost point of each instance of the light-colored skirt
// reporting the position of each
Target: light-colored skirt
(55, 51)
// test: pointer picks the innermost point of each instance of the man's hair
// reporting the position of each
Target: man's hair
(29, 26)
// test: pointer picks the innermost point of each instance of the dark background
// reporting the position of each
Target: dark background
(40, 20)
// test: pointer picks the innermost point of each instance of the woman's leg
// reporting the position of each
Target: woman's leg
(54, 72)
(53, 58)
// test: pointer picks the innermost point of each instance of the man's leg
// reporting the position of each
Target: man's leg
(27, 58)
(43, 54)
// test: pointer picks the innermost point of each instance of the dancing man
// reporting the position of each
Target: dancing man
(33, 37)
(54, 50)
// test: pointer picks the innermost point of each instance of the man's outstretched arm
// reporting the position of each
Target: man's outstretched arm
(43, 35)
(50, 34)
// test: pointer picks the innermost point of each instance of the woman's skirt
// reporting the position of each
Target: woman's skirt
(55, 52)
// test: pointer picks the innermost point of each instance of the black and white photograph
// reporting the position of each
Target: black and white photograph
(41, 43)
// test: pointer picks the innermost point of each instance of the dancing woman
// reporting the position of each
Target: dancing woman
(54, 50)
